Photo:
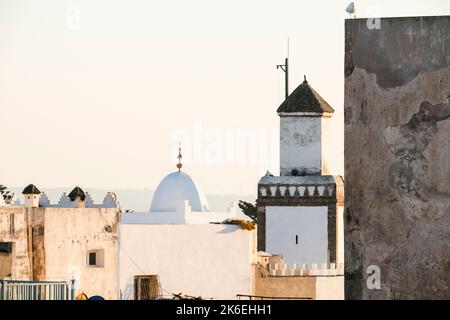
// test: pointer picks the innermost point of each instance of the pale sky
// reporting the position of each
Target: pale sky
(95, 92)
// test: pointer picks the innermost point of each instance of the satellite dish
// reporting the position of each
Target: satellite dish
(350, 8)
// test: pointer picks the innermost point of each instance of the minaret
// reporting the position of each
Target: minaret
(304, 119)
(31, 195)
(300, 212)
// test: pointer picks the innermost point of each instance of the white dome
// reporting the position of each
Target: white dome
(173, 190)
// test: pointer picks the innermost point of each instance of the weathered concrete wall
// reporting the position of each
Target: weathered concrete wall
(37, 223)
(13, 228)
(397, 169)
(313, 287)
(340, 244)
(56, 245)
(69, 234)
(286, 287)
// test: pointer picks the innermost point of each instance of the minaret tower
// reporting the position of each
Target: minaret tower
(300, 212)
(304, 137)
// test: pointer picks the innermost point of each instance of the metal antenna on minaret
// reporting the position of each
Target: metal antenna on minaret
(179, 165)
(285, 68)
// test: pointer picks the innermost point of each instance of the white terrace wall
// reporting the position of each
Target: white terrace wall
(330, 288)
(207, 260)
(183, 215)
(304, 270)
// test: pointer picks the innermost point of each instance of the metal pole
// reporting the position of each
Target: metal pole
(285, 68)
(286, 74)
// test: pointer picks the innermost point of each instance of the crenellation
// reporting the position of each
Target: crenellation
(89, 201)
(110, 201)
(44, 201)
(305, 269)
(64, 201)
(296, 190)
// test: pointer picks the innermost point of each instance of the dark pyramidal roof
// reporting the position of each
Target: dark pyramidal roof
(77, 192)
(31, 189)
(304, 99)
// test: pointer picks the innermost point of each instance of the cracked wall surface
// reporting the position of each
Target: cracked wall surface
(397, 168)
(13, 229)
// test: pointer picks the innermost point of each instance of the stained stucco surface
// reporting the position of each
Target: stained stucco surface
(397, 168)
(69, 235)
(13, 228)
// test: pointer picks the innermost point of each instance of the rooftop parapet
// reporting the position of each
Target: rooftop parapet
(306, 270)
(301, 186)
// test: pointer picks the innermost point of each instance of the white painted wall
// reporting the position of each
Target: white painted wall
(300, 144)
(184, 215)
(330, 288)
(309, 223)
(327, 150)
(31, 200)
(208, 260)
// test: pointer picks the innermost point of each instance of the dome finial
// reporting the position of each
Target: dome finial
(305, 81)
(179, 165)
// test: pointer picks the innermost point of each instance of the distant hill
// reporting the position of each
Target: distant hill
(139, 199)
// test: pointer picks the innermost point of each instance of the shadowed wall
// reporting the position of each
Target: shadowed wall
(397, 129)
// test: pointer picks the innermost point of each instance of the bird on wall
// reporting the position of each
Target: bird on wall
(351, 9)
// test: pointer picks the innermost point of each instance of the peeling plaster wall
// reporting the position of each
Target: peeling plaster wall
(340, 247)
(397, 169)
(37, 216)
(69, 234)
(60, 239)
(16, 232)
